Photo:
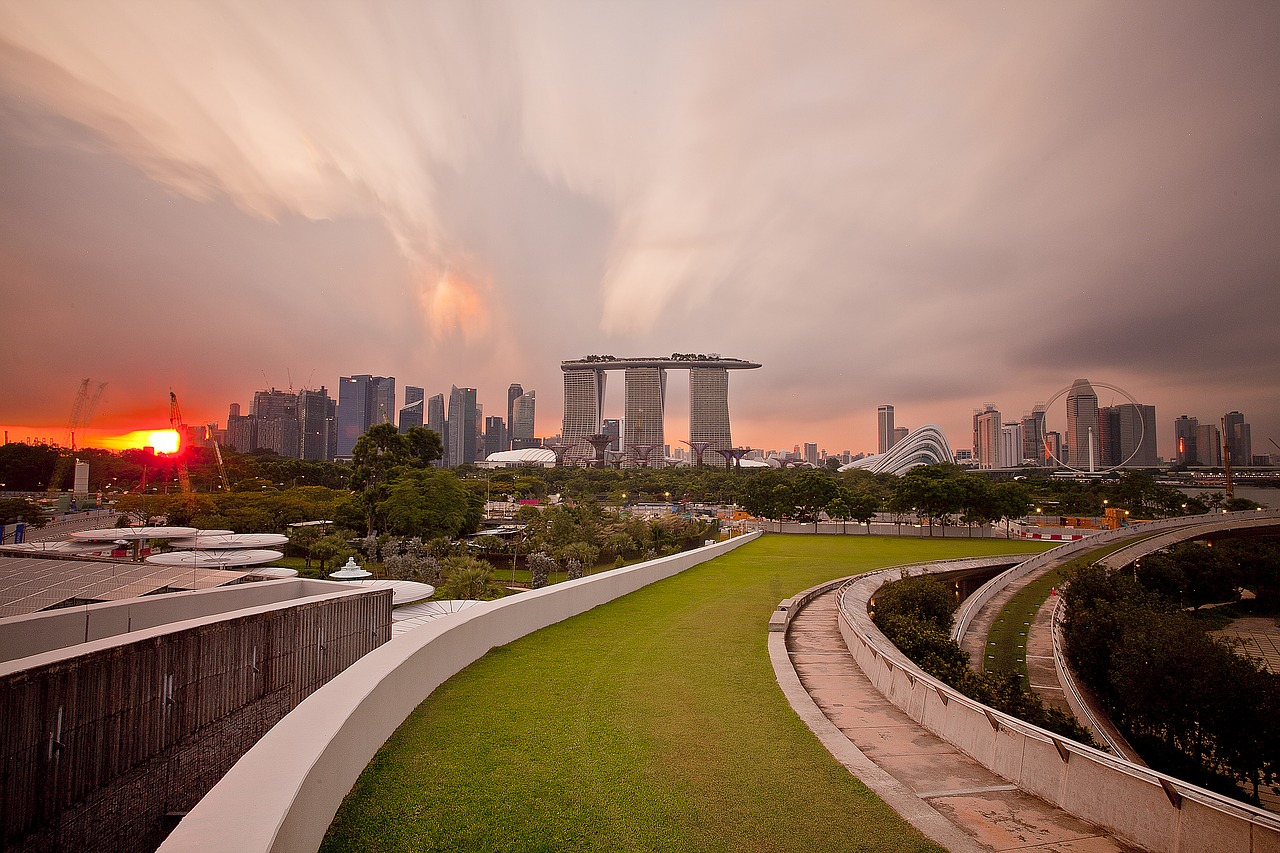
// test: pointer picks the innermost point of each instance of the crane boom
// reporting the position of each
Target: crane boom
(217, 452)
(175, 421)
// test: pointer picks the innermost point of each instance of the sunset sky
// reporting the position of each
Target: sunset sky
(933, 205)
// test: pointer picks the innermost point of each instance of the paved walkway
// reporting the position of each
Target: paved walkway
(947, 795)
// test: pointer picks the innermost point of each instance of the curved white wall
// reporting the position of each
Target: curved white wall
(1149, 809)
(282, 795)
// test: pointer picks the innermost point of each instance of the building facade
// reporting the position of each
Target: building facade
(463, 427)
(644, 398)
(1082, 426)
(1239, 439)
(363, 400)
(1185, 434)
(523, 409)
(1033, 436)
(514, 392)
(411, 413)
(495, 436)
(709, 412)
(317, 422)
(583, 404)
(986, 436)
(884, 425)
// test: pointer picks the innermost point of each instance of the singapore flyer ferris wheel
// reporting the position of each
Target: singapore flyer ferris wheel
(1084, 432)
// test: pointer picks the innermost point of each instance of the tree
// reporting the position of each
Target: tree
(1009, 501)
(540, 568)
(863, 507)
(839, 510)
(429, 503)
(930, 491)
(13, 510)
(378, 456)
(977, 500)
(924, 599)
(464, 577)
(812, 491)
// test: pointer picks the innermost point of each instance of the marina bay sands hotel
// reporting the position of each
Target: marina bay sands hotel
(644, 390)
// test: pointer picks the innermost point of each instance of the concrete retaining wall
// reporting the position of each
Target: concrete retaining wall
(969, 609)
(282, 795)
(1148, 809)
(44, 631)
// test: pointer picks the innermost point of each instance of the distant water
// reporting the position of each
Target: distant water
(1268, 497)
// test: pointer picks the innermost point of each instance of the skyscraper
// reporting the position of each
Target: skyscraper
(1033, 436)
(1127, 435)
(276, 413)
(514, 392)
(317, 413)
(884, 420)
(613, 427)
(411, 413)
(1208, 445)
(986, 436)
(1082, 426)
(583, 402)
(1011, 444)
(644, 395)
(436, 422)
(463, 427)
(242, 430)
(1239, 438)
(362, 401)
(495, 436)
(709, 411)
(522, 420)
(1184, 436)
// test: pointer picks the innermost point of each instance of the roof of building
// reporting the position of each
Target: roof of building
(925, 445)
(676, 361)
(527, 456)
(29, 585)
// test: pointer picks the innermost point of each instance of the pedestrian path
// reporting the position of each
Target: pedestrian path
(993, 814)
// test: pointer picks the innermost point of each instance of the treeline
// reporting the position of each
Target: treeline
(933, 494)
(1188, 702)
(915, 614)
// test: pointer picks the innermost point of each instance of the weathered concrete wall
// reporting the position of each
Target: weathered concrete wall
(282, 795)
(47, 631)
(102, 739)
(1148, 809)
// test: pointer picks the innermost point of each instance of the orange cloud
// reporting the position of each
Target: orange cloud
(453, 304)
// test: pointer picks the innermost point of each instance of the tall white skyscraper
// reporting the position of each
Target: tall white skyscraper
(884, 419)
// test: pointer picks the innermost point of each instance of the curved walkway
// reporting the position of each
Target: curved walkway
(941, 791)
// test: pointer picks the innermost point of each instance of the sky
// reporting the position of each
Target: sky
(932, 205)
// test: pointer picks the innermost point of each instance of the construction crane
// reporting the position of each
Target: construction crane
(82, 410)
(217, 452)
(175, 421)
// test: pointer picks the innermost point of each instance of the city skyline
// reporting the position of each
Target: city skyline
(931, 206)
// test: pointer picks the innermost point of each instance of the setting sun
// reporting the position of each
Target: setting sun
(164, 441)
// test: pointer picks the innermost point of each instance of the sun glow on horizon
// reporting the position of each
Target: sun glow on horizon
(162, 440)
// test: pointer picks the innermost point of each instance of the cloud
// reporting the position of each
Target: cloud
(932, 206)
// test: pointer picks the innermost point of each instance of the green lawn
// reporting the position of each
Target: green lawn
(1007, 639)
(650, 723)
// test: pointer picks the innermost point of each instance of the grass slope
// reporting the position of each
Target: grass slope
(1007, 639)
(650, 723)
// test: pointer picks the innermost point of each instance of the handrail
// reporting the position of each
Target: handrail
(1065, 677)
(910, 689)
(970, 606)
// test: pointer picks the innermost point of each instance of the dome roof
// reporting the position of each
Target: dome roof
(926, 445)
